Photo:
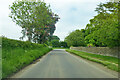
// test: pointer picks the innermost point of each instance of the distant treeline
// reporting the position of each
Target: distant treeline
(102, 31)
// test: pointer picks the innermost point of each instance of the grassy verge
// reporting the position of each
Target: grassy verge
(110, 62)
(18, 54)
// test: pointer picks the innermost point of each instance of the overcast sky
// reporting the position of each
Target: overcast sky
(74, 14)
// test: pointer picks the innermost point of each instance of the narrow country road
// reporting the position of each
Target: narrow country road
(61, 64)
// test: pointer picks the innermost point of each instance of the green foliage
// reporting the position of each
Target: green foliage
(36, 19)
(75, 38)
(90, 45)
(11, 44)
(103, 28)
(54, 38)
(110, 62)
(63, 44)
(18, 54)
(55, 43)
(102, 31)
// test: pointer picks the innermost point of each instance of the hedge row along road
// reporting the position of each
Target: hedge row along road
(60, 64)
(17, 54)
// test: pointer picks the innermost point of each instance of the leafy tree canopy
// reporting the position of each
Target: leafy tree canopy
(103, 29)
(36, 19)
(75, 38)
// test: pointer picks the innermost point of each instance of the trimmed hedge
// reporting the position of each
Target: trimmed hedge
(10, 43)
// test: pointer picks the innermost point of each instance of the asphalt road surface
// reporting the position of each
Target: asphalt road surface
(61, 64)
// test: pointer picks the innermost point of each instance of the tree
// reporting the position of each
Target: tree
(36, 19)
(54, 38)
(63, 44)
(75, 38)
(103, 28)
(55, 43)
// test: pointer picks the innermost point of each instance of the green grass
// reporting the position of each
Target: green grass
(15, 56)
(110, 62)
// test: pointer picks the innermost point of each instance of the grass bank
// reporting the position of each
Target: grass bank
(110, 62)
(18, 54)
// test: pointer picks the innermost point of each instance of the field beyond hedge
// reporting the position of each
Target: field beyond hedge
(18, 54)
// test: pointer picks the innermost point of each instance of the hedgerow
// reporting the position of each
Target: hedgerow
(18, 54)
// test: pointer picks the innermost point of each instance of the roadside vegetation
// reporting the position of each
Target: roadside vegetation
(101, 31)
(55, 43)
(38, 24)
(110, 62)
(18, 54)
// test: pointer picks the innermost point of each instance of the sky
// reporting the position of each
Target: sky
(74, 14)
